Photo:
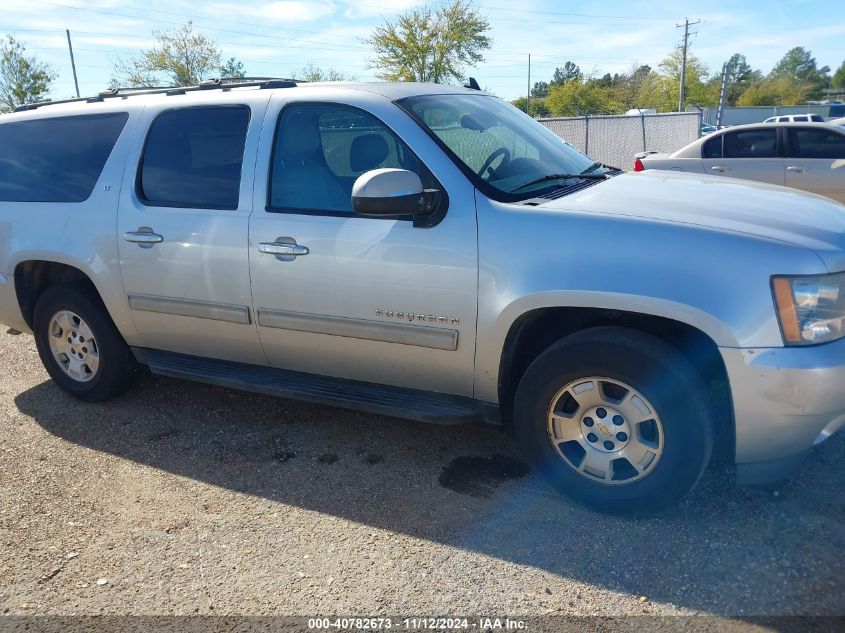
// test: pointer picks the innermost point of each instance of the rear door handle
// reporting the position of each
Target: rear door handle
(272, 248)
(796, 168)
(284, 248)
(720, 168)
(143, 237)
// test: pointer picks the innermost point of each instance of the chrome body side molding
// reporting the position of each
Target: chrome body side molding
(190, 308)
(401, 333)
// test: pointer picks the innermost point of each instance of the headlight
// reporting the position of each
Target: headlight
(811, 309)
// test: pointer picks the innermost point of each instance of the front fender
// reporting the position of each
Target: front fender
(716, 281)
(489, 354)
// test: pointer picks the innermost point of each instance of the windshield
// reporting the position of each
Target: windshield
(499, 146)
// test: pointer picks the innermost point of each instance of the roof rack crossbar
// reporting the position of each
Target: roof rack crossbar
(225, 83)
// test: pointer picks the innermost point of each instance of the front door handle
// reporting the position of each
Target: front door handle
(796, 168)
(143, 236)
(284, 248)
(720, 168)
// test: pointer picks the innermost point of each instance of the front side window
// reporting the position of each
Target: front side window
(58, 159)
(193, 158)
(499, 147)
(321, 149)
(806, 142)
(751, 144)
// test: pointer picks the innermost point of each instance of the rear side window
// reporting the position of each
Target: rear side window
(58, 159)
(712, 148)
(193, 158)
(751, 144)
(806, 142)
(800, 119)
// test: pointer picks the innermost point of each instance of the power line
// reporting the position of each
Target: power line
(171, 22)
(580, 15)
(147, 11)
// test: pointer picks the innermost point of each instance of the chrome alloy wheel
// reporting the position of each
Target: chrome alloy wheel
(605, 430)
(73, 346)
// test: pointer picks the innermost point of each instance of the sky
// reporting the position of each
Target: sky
(274, 38)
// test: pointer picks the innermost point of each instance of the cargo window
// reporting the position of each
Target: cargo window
(56, 159)
(193, 158)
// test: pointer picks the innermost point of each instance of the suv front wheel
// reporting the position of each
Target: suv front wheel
(615, 419)
(79, 345)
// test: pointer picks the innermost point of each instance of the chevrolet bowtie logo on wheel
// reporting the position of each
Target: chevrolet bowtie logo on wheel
(603, 429)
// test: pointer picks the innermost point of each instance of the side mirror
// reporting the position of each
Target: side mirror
(388, 192)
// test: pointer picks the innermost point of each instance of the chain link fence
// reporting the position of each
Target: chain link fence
(614, 140)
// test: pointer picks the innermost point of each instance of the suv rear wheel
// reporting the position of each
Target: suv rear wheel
(80, 347)
(615, 419)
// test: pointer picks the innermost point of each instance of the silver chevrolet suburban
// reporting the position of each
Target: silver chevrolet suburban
(431, 253)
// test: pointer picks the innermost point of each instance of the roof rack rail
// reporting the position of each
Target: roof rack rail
(223, 83)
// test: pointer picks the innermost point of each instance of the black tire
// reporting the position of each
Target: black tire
(116, 364)
(656, 370)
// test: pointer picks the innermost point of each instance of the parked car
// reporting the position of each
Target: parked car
(796, 118)
(428, 252)
(839, 121)
(809, 156)
(706, 128)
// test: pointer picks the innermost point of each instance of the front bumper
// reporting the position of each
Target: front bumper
(10, 312)
(786, 400)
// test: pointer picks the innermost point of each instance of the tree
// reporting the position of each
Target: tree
(540, 90)
(626, 87)
(772, 91)
(666, 87)
(657, 91)
(569, 72)
(181, 57)
(232, 68)
(799, 66)
(605, 80)
(576, 98)
(23, 79)
(428, 44)
(740, 77)
(312, 72)
(838, 79)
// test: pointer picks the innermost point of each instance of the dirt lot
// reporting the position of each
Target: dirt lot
(180, 498)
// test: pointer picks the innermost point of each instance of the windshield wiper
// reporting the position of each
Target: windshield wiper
(593, 167)
(542, 179)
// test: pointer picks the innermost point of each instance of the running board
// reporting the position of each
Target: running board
(412, 404)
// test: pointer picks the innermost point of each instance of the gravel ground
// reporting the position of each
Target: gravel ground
(180, 498)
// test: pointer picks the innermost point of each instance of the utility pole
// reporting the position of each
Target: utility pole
(723, 95)
(72, 63)
(686, 25)
(528, 99)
